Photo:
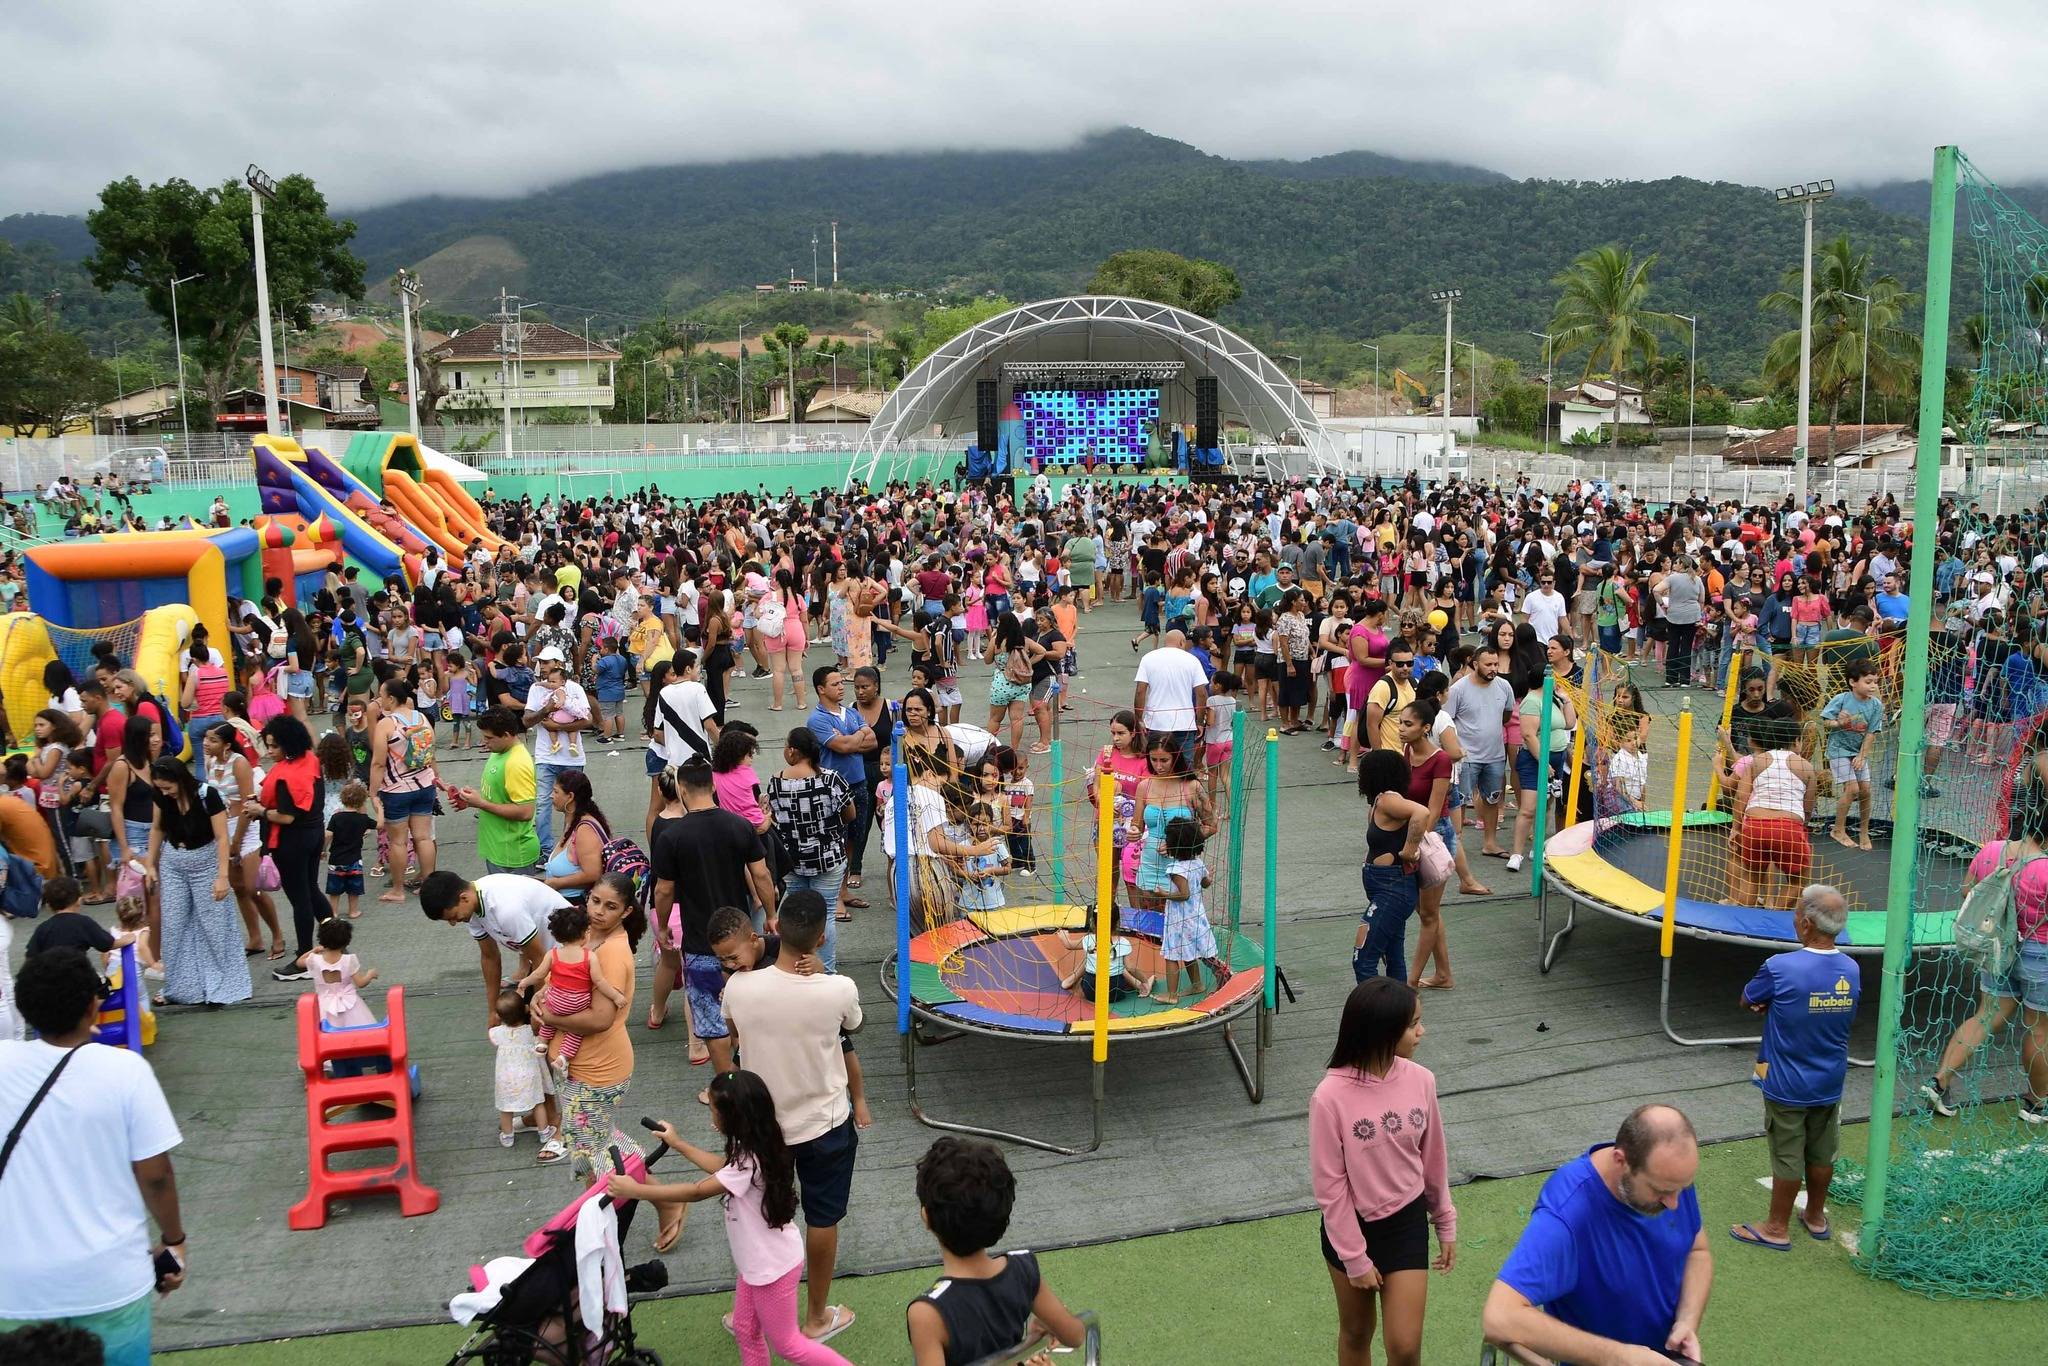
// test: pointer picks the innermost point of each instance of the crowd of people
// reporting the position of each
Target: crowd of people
(1407, 630)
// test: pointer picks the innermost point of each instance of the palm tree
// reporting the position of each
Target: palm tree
(1840, 270)
(1602, 310)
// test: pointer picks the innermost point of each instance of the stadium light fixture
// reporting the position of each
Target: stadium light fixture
(1805, 195)
(1448, 298)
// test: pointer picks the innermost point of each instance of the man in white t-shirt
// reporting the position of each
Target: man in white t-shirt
(559, 711)
(685, 718)
(793, 1025)
(1546, 607)
(1171, 693)
(89, 1171)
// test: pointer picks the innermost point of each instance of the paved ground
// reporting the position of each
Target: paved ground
(1532, 1068)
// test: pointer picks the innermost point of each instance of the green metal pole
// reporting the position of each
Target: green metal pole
(1941, 228)
(1236, 807)
(1272, 862)
(1542, 793)
(1058, 856)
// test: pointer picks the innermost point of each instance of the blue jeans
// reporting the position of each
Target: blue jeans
(544, 776)
(1610, 639)
(123, 1332)
(1391, 893)
(863, 821)
(826, 885)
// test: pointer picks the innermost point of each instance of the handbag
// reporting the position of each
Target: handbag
(1434, 864)
(267, 878)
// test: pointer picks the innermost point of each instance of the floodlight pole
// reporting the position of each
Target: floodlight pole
(1806, 196)
(1692, 379)
(1548, 338)
(1447, 297)
(408, 299)
(261, 189)
(178, 342)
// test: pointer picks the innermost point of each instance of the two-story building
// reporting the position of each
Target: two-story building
(547, 368)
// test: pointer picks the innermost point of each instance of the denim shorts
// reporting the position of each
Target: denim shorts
(1805, 634)
(704, 988)
(1847, 769)
(2027, 981)
(1485, 782)
(655, 763)
(345, 881)
(399, 806)
(299, 684)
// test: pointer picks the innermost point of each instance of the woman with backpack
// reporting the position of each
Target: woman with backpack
(577, 861)
(402, 762)
(2021, 861)
(783, 610)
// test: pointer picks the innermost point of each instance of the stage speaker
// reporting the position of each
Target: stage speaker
(1207, 414)
(987, 415)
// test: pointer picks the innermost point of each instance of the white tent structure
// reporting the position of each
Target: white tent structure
(937, 399)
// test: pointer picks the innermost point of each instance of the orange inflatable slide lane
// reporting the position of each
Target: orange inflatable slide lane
(463, 510)
(413, 503)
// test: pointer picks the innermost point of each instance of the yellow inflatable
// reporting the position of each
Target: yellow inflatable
(25, 648)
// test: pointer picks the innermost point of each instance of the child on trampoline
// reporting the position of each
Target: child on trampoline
(1773, 798)
(1852, 719)
(1624, 774)
(981, 875)
(1186, 939)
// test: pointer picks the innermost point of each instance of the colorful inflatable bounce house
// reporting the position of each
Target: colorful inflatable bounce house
(386, 496)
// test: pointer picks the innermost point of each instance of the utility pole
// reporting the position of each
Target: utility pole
(835, 253)
(814, 260)
(1548, 338)
(408, 299)
(1863, 378)
(178, 341)
(1806, 196)
(743, 377)
(1692, 378)
(507, 321)
(262, 189)
(1447, 297)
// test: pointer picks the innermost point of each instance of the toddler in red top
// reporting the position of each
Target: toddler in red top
(564, 977)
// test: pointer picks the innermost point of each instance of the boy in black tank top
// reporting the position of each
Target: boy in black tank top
(983, 1304)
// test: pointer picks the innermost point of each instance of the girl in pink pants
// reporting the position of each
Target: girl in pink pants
(757, 1180)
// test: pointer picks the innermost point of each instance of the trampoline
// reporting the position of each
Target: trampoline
(1617, 866)
(997, 974)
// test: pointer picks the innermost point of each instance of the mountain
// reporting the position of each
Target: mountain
(1347, 246)
(65, 236)
(1909, 198)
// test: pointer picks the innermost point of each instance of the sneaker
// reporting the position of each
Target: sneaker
(292, 973)
(1514, 864)
(1329, 744)
(1938, 1096)
(505, 1140)
(2034, 1109)
(758, 673)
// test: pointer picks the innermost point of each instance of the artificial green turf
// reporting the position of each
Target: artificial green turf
(1259, 1292)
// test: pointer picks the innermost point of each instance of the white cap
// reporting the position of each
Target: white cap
(1982, 576)
(551, 655)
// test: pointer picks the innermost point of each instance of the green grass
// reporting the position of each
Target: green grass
(1259, 1292)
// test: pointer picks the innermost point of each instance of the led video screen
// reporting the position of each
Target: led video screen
(1063, 426)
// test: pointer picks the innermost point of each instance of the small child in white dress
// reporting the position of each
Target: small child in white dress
(521, 1080)
(1186, 939)
(337, 976)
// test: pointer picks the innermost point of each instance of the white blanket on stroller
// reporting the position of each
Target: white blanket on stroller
(499, 1272)
(600, 1270)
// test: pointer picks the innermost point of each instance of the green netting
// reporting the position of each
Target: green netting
(1966, 1194)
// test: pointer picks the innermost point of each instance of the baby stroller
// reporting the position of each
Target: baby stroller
(536, 1319)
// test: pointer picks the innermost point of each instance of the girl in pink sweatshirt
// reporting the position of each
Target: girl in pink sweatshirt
(1381, 1174)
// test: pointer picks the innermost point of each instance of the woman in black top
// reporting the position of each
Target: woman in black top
(188, 860)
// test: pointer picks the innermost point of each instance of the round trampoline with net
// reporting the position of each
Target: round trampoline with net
(1073, 953)
(1622, 855)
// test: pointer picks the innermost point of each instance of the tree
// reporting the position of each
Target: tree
(1201, 287)
(783, 345)
(49, 378)
(1602, 311)
(149, 236)
(1840, 270)
(944, 323)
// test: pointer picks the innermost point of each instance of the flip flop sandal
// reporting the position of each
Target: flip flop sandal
(858, 903)
(1822, 1235)
(1746, 1233)
(842, 918)
(837, 1325)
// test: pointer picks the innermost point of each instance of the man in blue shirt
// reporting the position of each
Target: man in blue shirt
(841, 733)
(1613, 1266)
(1891, 604)
(1808, 1000)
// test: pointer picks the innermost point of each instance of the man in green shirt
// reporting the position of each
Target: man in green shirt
(503, 798)
(1080, 561)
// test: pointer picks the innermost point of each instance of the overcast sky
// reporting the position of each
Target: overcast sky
(382, 101)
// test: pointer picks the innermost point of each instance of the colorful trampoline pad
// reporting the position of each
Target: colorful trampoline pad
(1023, 919)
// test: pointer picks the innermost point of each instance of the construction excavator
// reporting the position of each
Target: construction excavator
(1407, 383)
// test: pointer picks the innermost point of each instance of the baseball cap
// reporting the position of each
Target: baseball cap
(551, 655)
(1982, 576)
